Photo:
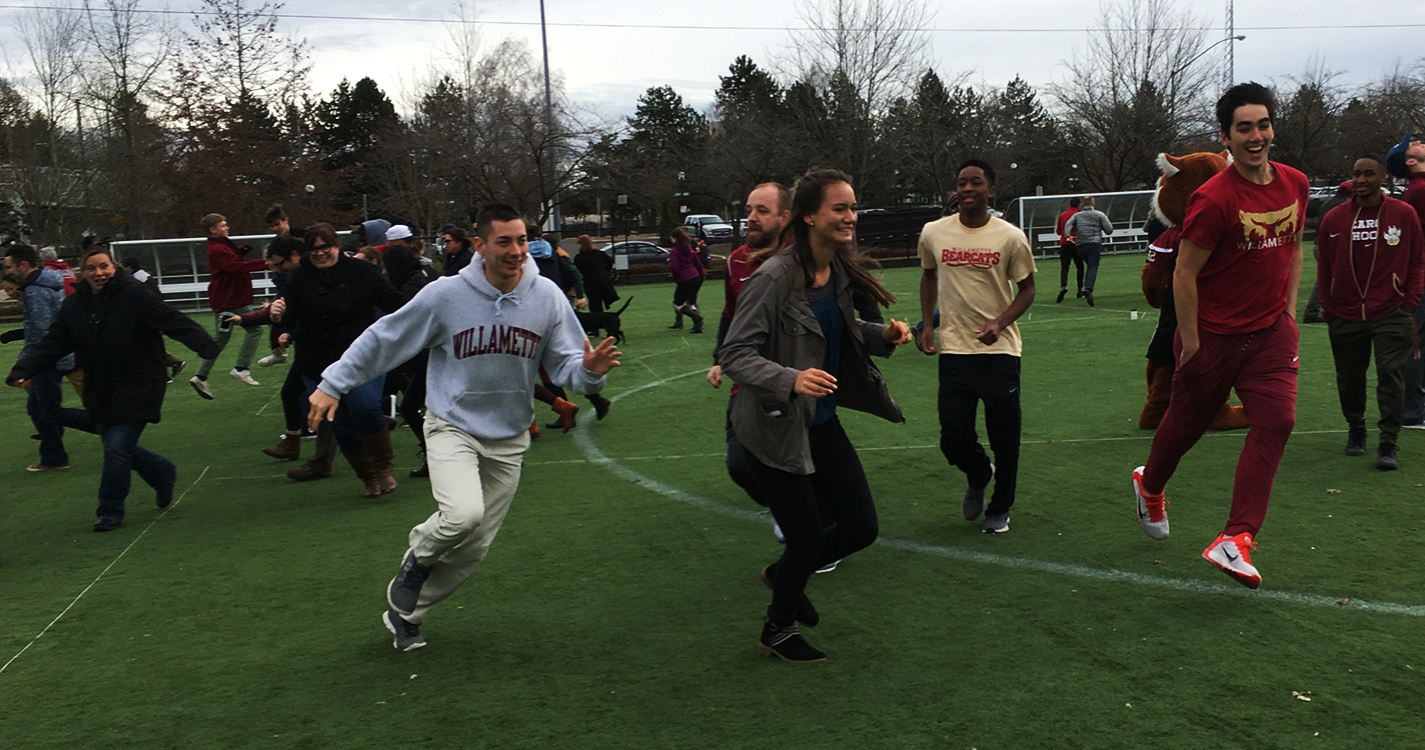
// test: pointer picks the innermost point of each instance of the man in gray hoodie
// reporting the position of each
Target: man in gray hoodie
(43, 290)
(488, 329)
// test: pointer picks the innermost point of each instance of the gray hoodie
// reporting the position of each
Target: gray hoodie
(485, 349)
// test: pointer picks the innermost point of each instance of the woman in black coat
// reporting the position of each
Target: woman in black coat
(329, 301)
(115, 327)
(404, 271)
(597, 268)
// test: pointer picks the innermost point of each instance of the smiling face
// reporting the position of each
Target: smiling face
(97, 270)
(1366, 179)
(504, 249)
(323, 254)
(1250, 138)
(834, 222)
(17, 272)
(974, 190)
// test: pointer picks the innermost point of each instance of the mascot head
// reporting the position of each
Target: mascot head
(1181, 176)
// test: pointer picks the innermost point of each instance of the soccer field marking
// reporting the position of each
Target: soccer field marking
(116, 560)
(595, 455)
(263, 408)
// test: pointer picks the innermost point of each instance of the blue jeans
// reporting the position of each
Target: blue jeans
(43, 406)
(359, 413)
(123, 455)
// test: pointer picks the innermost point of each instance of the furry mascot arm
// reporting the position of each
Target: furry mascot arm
(1155, 280)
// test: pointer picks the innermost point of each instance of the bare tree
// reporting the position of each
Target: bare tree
(880, 46)
(52, 38)
(239, 53)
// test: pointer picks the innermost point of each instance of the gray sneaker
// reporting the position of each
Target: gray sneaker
(201, 386)
(997, 524)
(404, 591)
(408, 634)
(974, 503)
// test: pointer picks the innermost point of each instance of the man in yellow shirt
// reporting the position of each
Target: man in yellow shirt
(969, 261)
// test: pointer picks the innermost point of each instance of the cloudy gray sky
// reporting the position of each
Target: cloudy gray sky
(610, 51)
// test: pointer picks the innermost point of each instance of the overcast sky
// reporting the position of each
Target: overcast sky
(610, 51)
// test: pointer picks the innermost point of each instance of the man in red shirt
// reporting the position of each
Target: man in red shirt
(1406, 160)
(229, 292)
(1371, 272)
(1068, 253)
(1234, 288)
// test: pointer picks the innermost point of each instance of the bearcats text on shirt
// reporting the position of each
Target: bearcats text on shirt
(978, 258)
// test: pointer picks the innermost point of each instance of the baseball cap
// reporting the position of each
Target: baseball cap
(398, 232)
(1347, 185)
(1395, 158)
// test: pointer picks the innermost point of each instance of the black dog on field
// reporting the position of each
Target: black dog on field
(608, 321)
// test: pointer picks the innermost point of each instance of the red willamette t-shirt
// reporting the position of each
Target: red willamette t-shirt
(1251, 231)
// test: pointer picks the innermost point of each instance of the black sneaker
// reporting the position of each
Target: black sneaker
(1356, 442)
(1386, 460)
(404, 591)
(601, 405)
(408, 634)
(786, 643)
(1088, 297)
(163, 496)
(806, 613)
(1062, 292)
(423, 472)
(106, 525)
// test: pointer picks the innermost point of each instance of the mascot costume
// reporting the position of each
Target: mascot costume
(1181, 176)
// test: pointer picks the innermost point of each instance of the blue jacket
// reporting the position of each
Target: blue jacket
(44, 293)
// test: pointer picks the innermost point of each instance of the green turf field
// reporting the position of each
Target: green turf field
(621, 604)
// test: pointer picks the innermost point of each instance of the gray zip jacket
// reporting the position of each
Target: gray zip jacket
(773, 337)
(1088, 227)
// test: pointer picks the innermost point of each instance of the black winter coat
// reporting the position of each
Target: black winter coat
(327, 308)
(598, 281)
(117, 338)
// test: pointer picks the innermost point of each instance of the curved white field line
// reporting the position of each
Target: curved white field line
(597, 456)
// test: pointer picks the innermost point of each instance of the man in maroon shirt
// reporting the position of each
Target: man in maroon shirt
(229, 291)
(1371, 272)
(1406, 160)
(1068, 253)
(1234, 288)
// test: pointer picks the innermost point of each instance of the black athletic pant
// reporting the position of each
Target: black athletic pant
(686, 292)
(965, 381)
(1068, 254)
(813, 541)
(294, 400)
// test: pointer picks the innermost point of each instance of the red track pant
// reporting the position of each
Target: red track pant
(1262, 367)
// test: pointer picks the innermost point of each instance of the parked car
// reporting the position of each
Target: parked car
(637, 251)
(710, 227)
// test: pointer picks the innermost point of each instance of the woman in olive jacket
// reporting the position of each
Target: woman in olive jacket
(115, 327)
(798, 352)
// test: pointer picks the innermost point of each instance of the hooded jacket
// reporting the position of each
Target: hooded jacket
(485, 349)
(117, 338)
(230, 275)
(44, 294)
(327, 308)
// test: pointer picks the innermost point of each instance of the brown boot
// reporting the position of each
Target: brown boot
(360, 461)
(320, 465)
(289, 448)
(379, 455)
(1160, 391)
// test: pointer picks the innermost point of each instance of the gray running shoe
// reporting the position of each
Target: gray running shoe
(404, 591)
(974, 503)
(1152, 509)
(201, 386)
(777, 533)
(995, 524)
(408, 634)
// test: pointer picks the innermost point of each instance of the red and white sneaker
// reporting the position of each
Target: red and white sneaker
(1152, 509)
(1233, 555)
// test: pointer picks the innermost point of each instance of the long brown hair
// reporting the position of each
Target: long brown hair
(807, 197)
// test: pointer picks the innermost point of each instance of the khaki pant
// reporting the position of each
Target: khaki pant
(473, 481)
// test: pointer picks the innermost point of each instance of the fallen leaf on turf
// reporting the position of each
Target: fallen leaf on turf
(1130, 705)
(1344, 602)
(1301, 696)
(1157, 562)
(1333, 492)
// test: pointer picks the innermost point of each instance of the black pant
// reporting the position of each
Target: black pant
(1351, 344)
(1090, 253)
(294, 400)
(965, 381)
(739, 466)
(1067, 255)
(686, 292)
(813, 541)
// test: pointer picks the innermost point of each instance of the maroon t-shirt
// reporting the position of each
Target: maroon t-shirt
(1250, 230)
(1163, 252)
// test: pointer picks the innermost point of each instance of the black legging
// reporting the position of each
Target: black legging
(686, 292)
(813, 541)
(294, 401)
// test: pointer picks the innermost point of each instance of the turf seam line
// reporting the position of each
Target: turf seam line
(116, 560)
(595, 455)
(263, 408)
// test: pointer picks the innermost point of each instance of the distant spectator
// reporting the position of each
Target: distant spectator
(596, 266)
(1088, 228)
(688, 273)
(229, 292)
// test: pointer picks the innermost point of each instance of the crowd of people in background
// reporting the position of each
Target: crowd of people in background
(460, 342)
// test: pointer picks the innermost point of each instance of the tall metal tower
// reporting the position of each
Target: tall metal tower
(1231, 47)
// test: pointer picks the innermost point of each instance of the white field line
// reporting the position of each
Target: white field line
(594, 455)
(58, 617)
(263, 408)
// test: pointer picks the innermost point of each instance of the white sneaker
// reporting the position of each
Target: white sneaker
(1152, 509)
(244, 375)
(827, 568)
(275, 358)
(777, 533)
(201, 386)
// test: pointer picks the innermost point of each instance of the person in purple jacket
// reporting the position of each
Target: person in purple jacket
(688, 274)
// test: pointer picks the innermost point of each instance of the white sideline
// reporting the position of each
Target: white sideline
(594, 455)
(57, 618)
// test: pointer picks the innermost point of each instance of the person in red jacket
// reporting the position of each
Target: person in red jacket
(229, 291)
(1371, 270)
(1068, 253)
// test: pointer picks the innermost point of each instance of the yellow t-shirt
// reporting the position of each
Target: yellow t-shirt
(975, 268)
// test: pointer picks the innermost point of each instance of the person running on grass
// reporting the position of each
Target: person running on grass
(798, 352)
(969, 261)
(1234, 288)
(229, 293)
(488, 329)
